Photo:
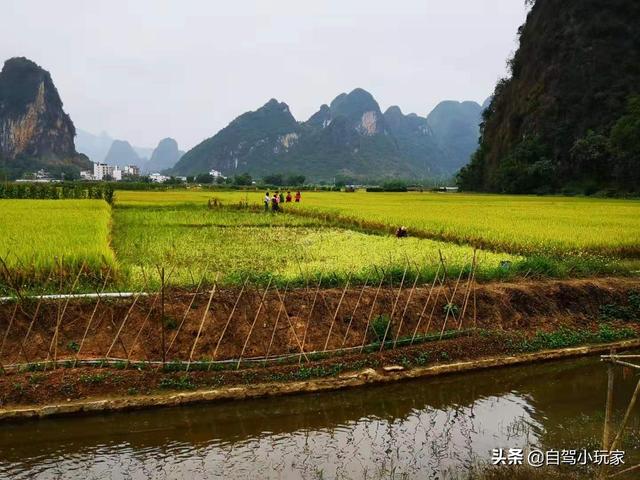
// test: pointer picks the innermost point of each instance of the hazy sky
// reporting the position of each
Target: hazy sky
(142, 70)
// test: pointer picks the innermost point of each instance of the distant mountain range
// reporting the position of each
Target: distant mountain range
(103, 148)
(349, 137)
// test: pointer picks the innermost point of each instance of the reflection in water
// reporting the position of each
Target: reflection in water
(419, 429)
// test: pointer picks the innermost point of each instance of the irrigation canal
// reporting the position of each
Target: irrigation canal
(428, 428)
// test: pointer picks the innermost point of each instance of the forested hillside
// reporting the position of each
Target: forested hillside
(568, 117)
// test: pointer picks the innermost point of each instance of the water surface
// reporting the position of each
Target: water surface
(430, 428)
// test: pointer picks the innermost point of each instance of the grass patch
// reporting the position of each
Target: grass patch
(566, 338)
(177, 383)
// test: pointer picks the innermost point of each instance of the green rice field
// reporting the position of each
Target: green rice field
(333, 235)
(192, 240)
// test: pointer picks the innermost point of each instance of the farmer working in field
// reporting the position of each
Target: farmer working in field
(288, 197)
(298, 196)
(267, 199)
(402, 232)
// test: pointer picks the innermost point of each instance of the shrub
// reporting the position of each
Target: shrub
(379, 325)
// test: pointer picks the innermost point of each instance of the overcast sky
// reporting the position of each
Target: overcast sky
(142, 70)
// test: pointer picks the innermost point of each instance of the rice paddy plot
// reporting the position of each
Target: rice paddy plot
(191, 241)
(41, 236)
(526, 225)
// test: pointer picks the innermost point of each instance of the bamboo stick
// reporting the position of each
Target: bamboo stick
(433, 309)
(37, 310)
(61, 316)
(424, 309)
(475, 304)
(275, 325)
(393, 310)
(626, 470)
(406, 306)
(144, 322)
(93, 313)
(450, 305)
(335, 314)
(306, 328)
(346, 334)
(164, 350)
(373, 305)
(625, 420)
(444, 266)
(124, 321)
(13, 284)
(186, 312)
(255, 319)
(293, 330)
(224, 330)
(204, 317)
(467, 292)
(6, 333)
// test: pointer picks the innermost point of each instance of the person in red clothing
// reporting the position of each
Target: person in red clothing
(298, 196)
(288, 198)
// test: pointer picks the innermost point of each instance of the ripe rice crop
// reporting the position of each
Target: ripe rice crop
(526, 225)
(38, 236)
(333, 234)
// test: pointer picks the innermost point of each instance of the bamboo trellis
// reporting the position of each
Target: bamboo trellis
(349, 318)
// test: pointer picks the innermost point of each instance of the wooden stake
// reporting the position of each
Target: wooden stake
(255, 319)
(608, 412)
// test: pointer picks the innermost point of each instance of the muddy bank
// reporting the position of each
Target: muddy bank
(251, 384)
(251, 323)
(306, 334)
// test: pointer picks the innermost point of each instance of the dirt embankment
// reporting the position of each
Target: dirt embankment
(495, 319)
(323, 320)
